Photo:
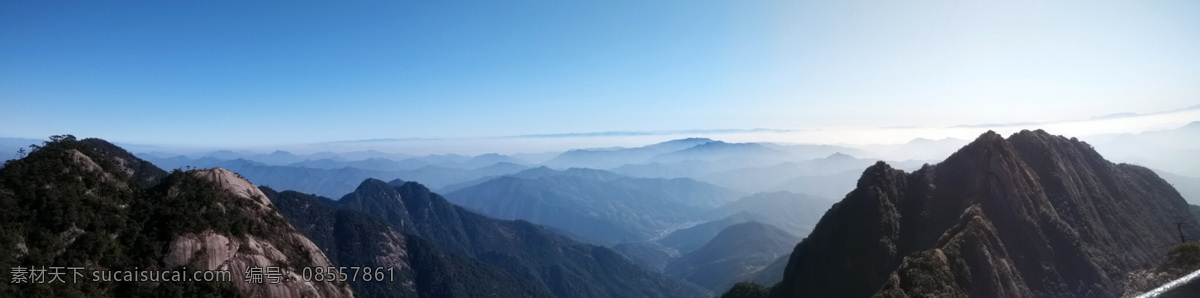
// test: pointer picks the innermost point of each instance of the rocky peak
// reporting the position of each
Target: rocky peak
(839, 156)
(396, 182)
(1035, 214)
(377, 197)
(234, 184)
(417, 196)
(257, 235)
(878, 173)
(375, 188)
(133, 168)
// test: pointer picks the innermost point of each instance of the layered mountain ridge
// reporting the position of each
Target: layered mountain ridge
(353, 238)
(601, 206)
(734, 254)
(562, 266)
(1031, 215)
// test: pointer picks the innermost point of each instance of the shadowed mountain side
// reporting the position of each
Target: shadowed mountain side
(689, 239)
(773, 273)
(357, 239)
(649, 255)
(735, 254)
(1034, 215)
(799, 213)
(566, 267)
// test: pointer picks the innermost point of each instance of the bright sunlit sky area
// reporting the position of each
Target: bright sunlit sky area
(252, 74)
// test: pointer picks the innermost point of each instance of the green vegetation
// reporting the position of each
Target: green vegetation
(1182, 259)
(72, 203)
(747, 289)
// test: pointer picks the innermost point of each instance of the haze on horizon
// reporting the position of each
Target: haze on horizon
(487, 76)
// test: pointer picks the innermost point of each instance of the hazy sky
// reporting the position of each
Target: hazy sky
(240, 73)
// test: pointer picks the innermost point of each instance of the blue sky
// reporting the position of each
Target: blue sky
(241, 73)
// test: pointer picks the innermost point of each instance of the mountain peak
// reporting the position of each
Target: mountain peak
(694, 141)
(839, 156)
(233, 183)
(375, 195)
(1073, 217)
(534, 173)
(990, 136)
(413, 186)
(984, 148)
(282, 153)
(134, 168)
(879, 171)
(396, 182)
(372, 185)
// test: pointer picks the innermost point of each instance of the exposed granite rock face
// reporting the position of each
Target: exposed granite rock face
(210, 250)
(1033, 215)
(236, 185)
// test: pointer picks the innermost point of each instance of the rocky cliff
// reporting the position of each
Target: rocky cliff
(1031, 215)
(275, 243)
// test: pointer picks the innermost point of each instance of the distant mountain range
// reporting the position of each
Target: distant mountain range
(601, 206)
(333, 182)
(1173, 150)
(796, 213)
(756, 179)
(917, 149)
(609, 158)
(1188, 187)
